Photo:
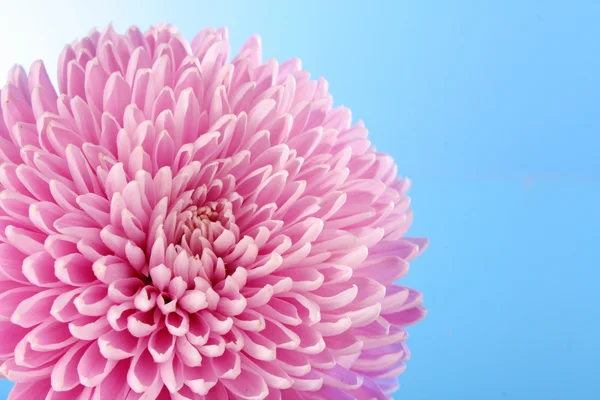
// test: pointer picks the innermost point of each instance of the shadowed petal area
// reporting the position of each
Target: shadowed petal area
(248, 385)
(177, 223)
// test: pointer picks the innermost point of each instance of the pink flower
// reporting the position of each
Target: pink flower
(176, 226)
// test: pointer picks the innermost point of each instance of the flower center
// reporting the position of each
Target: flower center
(204, 250)
(211, 226)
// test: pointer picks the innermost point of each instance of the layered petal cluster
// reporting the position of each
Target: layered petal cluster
(177, 226)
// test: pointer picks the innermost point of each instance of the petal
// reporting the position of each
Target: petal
(27, 357)
(142, 372)
(39, 270)
(123, 290)
(113, 386)
(384, 270)
(248, 385)
(64, 375)
(259, 347)
(63, 309)
(26, 241)
(188, 353)
(74, 270)
(117, 345)
(161, 345)
(161, 275)
(227, 366)
(142, 324)
(218, 323)
(79, 392)
(171, 373)
(118, 315)
(177, 323)
(193, 301)
(93, 301)
(200, 379)
(18, 374)
(89, 328)
(274, 376)
(214, 346)
(10, 336)
(112, 269)
(344, 344)
(50, 335)
(10, 299)
(280, 335)
(11, 262)
(93, 367)
(311, 340)
(293, 362)
(83, 177)
(407, 317)
(198, 330)
(36, 308)
(342, 378)
(332, 297)
(117, 95)
(145, 300)
(28, 391)
(399, 298)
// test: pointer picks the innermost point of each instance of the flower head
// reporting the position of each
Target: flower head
(177, 226)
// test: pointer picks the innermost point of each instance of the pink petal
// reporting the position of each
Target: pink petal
(193, 301)
(145, 300)
(89, 328)
(227, 366)
(342, 378)
(27, 391)
(118, 315)
(10, 299)
(142, 372)
(36, 308)
(112, 269)
(63, 308)
(117, 345)
(257, 346)
(187, 352)
(161, 345)
(50, 335)
(198, 330)
(280, 335)
(123, 290)
(93, 367)
(114, 385)
(93, 301)
(117, 95)
(64, 375)
(214, 346)
(274, 375)
(38, 268)
(161, 275)
(74, 269)
(292, 362)
(177, 323)
(11, 261)
(142, 324)
(172, 374)
(80, 391)
(200, 379)
(248, 385)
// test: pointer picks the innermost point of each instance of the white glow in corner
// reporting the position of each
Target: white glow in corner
(39, 29)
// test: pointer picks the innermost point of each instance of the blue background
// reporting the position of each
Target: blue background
(492, 108)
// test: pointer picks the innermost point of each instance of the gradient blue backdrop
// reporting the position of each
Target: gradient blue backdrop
(492, 108)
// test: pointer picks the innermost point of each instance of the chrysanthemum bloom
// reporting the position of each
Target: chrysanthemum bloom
(177, 226)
